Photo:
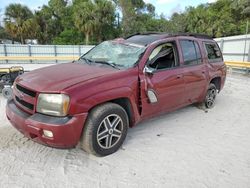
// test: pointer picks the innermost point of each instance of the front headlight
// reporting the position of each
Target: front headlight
(53, 104)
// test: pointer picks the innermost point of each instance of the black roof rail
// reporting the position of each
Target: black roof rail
(146, 33)
(131, 35)
(196, 35)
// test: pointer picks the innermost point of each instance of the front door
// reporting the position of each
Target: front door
(162, 84)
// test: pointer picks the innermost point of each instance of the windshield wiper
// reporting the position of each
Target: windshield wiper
(88, 61)
(114, 65)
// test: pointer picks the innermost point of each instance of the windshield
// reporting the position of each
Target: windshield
(123, 55)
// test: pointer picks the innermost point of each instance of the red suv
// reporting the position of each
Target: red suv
(114, 86)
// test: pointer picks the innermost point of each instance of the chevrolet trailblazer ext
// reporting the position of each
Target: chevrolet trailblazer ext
(114, 86)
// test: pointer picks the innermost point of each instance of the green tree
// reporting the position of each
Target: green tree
(218, 19)
(18, 21)
(84, 16)
(137, 16)
(92, 21)
(245, 7)
(196, 19)
(52, 20)
(94, 18)
(178, 23)
(68, 36)
(3, 34)
(104, 20)
(221, 19)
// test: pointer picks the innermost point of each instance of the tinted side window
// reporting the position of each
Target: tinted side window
(213, 52)
(198, 52)
(191, 52)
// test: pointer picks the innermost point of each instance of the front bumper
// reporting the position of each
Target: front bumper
(66, 130)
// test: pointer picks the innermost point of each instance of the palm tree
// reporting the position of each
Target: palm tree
(104, 19)
(17, 21)
(84, 15)
(94, 17)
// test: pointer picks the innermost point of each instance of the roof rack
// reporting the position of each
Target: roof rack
(146, 33)
(196, 35)
(149, 37)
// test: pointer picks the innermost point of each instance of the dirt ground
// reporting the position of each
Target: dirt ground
(187, 148)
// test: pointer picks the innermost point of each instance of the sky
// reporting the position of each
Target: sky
(167, 7)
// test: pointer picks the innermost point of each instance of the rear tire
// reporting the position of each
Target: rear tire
(105, 129)
(209, 100)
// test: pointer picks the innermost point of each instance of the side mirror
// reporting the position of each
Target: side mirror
(148, 70)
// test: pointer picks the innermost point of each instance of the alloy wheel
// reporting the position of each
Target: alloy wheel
(109, 131)
(210, 98)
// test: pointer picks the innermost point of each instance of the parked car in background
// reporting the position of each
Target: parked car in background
(113, 87)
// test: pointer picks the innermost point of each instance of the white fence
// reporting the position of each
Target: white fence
(41, 51)
(235, 48)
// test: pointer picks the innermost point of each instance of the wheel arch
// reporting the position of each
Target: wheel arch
(124, 96)
(125, 103)
(217, 82)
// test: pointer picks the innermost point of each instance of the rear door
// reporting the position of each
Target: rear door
(195, 73)
(215, 63)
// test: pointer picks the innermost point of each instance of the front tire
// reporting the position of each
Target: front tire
(105, 129)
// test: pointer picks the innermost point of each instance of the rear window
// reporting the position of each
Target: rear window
(191, 52)
(213, 52)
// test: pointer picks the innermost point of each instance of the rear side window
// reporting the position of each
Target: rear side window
(213, 52)
(191, 52)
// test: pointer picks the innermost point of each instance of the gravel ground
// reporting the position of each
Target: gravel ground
(187, 148)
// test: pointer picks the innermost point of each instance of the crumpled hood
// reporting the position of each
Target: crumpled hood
(58, 77)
